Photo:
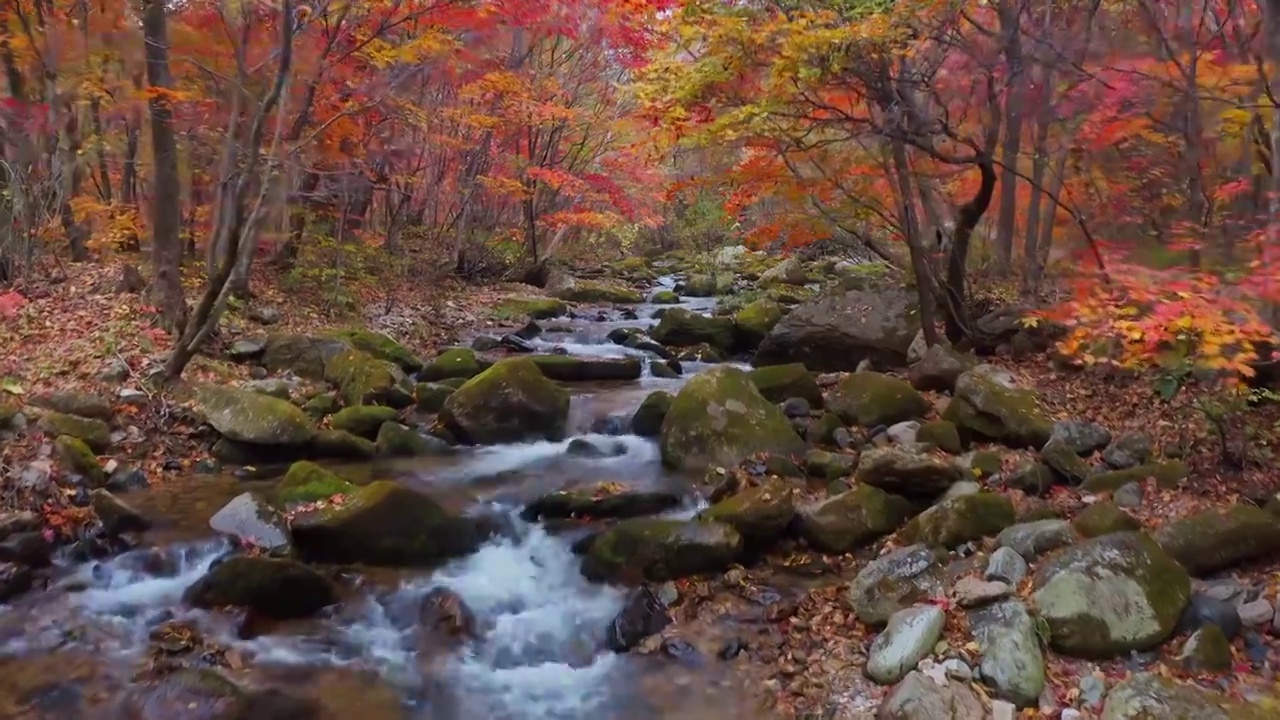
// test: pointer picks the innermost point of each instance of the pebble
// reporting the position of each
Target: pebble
(1006, 565)
(1256, 613)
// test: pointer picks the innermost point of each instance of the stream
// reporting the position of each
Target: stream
(539, 651)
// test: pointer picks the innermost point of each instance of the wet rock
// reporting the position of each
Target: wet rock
(970, 591)
(644, 614)
(485, 343)
(27, 548)
(116, 515)
(905, 472)
(17, 521)
(1219, 539)
(895, 581)
(362, 420)
(186, 695)
(248, 417)
(661, 369)
(536, 308)
(1207, 650)
(445, 616)
(15, 579)
(307, 482)
(837, 331)
(658, 550)
(1103, 518)
(921, 697)
(587, 504)
(339, 445)
(754, 321)
(759, 514)
(564, 368)
(510, 402)
(96, 434)
(396, 440)
(708, 285)
(305, 355)
(1007, 566)
(452, 363)
(1012, 662)
(79, 404)
(274, 588)
(960, 520)
(664, 297)
(683, 328)
(595, 291)
(908, 638)
(1110, 595)
(1204, 609)
(252, 520)
(1033, 539)
(872, 398)
(584, 448)
(647, 420)
(1128, 451)
(385, 524)
(986, 407)
(76, 457)
(852, 519)
(701, 352)
(939, 368)
(778, 383)
(718, 418)
(1166, 474)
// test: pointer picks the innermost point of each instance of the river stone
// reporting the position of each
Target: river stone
(708, 285)
(585, 503)
(384, 524)
(942, 435)
(1031, 477)
(1082, 437)
(683, 328)
(754, 321)
(759, 514)
(1205, 609)
(939, 368)
(363, 379)
(187, 694)
(779, 383)
(960, 520)
(1145, 696)
(15, 579)
(871, 398)
(658, 550)
(252, 520)
(248, 417)
(510, 402)
(338, 445)
(597, 291)
(94, 433)
(1221, 538)
(1060, 458)
(1033, 539)
(905, 472)
(1207, 650)
(849, 520)
(644, 614)
(1006, 565)
(80, 404)
(564, 368)
(304, 355)
(839, 330)
(307, 482)
(906, 640)
(273, 587)
(895, 581)
(985, 407)
(1109, 595)
(76, 456)
(1012, 662)
(116, 515)
(1128, 451)
(362, 420)
(647, 420)
(1166, 474)
(828, 465)
(429, 397)
(921, 697)
(1102, 518)
(381, 346)
(452, 363)
(396, 440)
(718, 418)
(788, 272)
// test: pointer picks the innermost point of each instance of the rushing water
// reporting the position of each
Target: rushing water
(539, 651)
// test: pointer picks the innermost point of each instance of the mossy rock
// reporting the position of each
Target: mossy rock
(708, 285)
(594, 291)
(984, 408)
(80, 404)
(665, 297)
(322, 404)
(1110, 595)
(308, 482)
(94, 433)
(1058, 456)
(658, 550)
(954, 522)
(9, 412)
(1166, 474)
(304, 355)
(248, 417)
(943, 435)
(872, 398)
(662, 370)
(828, 465)
(274, 588)
(850, 520)
(823, 430)
(1103, 518)
(779, 383)
(682, 328)
(385, 524)
(341, 445)
(1032, 477)
(453, 363)
(702, 352)
(647, 420)
(759, 514)
(430, 397)
(1218, 539)
(903, 471)
(983, 464)
(788, 272)
(510, 402)
(1146, 696)
(191, 694)
(1207, 651)
(535, 308)
(566, 368)
(76, 455)
(719, 418)
(363, 379)
(383, 347)
(362, 420)
(396, 440)
(755, 320)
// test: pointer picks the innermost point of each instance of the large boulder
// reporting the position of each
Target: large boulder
(384, 524)
(308, 482)
(453, 363)
(534, 308)
(1146, 695)
(304, 355)
(987, 406)
(707, 285)
(907, 639)
(244, 416)
(1012, 661)
(275, 588)
(849, 520)
(904, 471)
(872, 398)
(788, 272)
(510, 402)
(683, 328)
(838, 331)
(363, 379)
(779, 383)
(759, 514)
(658, 550)
(719, 418)
(647, 419)
(1221, 538)
(362, 420)
(938, 368)
(896, 581)
(755, 319)
(960, 519)
(252, 520)
(1110, 595)
(383, 347)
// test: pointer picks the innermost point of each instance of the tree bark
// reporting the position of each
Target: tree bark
(1010, 19)
(166, 216)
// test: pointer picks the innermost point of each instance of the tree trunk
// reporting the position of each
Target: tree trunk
(1271, 246)
(166, 217)
(1010, 18)
(910, 228)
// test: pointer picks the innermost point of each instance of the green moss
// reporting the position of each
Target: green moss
(759, 513)
(510, 402)
(452, 363)
(659, 550)
(779, 383)
(851, 519)
(828, 465)
(647, 420)
(321, 405)
(396, 440)
(984, 409)
(592, 291)
(1166, 474)
(364, 379)
(986, 463)
(708, 285)
(871, 398)
(431, 396)
(823, 430)
(942, 435)
(536, 308)
(756, 319)
(1103, 518)
(76, 456)
(338, 444)
(362, 420)
(665, 297)
(682, 328)
(961, 519)
(381, 346)
(94, 433)
(1218, 538)
(308, 482)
